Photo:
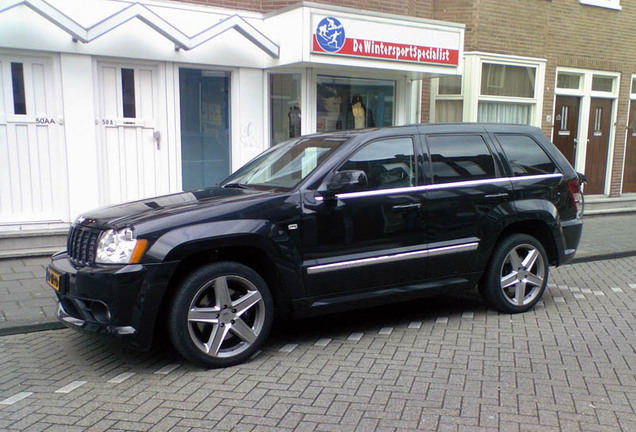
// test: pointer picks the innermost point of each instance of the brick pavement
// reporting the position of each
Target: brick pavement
(445, 363)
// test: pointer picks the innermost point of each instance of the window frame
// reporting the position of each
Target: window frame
(471, 86)
(436, 96)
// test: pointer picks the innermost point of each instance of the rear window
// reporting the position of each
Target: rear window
(525, 155)
(457, 158)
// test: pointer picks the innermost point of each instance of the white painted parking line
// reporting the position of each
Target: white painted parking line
(355, 336)
(632, 285)
(468, 315)
(579, 296)
(15, 398)
(288, 348)
(167, 369)
(559, 300)
(121, 378)
(442, 320)
(70, 387)
(552, 285)
(586, 291)
(386, 331)
(564, 287)
(575, 289)
(415, 324)
(599, 293)
(616, 289)
(323, 342)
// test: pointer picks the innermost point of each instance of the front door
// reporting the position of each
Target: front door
(629, 176)
(566, 125)
(133, 151)
(370, 238)
(33, 174)
(598, 133)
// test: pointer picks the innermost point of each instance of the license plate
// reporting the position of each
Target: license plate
(53, 279)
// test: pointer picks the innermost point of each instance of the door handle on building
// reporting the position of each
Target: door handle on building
(156, 136)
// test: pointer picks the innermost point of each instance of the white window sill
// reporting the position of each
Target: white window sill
(607, 4)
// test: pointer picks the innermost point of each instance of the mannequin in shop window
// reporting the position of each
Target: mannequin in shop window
(294, 121)
(358, 116)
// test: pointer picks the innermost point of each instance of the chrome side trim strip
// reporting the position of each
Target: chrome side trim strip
(468, 183)
(392, 258)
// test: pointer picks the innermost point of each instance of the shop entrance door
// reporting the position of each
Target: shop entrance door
(598, 132)
(33, 173)
(566, 125)
(629, 176)
(132, 151)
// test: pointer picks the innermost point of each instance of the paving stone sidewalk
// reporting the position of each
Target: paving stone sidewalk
(445, 363)
(28, 304)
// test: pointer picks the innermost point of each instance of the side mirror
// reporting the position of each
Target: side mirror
(343, 181)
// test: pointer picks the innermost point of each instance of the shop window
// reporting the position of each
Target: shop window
(459, 158)
(17, 80)
(507, 80)
(568, 81)
(526, 157)
(128, 92)
(353, 103)
(284, 105)
(205, 127)
(602, 83)
(449, 111)
(388, 163)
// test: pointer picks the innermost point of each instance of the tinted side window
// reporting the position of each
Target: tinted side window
(388, 163)
(525, 155)
(459, 158)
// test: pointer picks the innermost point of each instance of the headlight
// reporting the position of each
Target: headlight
(119, 247)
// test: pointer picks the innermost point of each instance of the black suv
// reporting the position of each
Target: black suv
(323, 223)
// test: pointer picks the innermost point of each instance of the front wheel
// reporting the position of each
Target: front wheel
(221, 314)
(517, 274)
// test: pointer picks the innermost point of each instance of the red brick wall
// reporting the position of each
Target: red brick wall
(563, 32)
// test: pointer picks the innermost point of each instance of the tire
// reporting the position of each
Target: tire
(221, 314)
(516, 276)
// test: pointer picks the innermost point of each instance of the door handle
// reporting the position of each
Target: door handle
(406, 206)
(497, 196)
(156, 136)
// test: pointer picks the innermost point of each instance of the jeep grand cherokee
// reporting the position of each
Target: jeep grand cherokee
(323, 223)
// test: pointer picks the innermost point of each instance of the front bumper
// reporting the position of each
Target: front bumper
(122, 301)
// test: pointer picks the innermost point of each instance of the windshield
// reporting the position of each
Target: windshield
(286, 164)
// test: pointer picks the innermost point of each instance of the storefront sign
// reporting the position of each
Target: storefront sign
(331, 37)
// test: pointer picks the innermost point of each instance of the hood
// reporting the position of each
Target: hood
(199, 204)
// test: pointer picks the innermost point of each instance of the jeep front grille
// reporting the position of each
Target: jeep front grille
(82, 244)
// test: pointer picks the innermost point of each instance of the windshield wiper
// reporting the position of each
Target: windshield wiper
(236, 185)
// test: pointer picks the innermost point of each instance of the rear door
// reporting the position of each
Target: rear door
(467, 198)
(372, 237)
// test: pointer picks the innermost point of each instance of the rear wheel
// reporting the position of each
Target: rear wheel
(517, 274)
(221, 315)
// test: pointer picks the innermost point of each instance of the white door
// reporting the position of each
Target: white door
(133, 152)
(33, 170)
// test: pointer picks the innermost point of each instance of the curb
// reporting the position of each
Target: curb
(25, 326)
(602, 257)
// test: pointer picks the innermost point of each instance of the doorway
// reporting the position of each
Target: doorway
(205, 127)
(629, 175)
(598, 133)
(566, 126)
(132, 150)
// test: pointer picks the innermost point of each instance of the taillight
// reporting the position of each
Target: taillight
(575, 193)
